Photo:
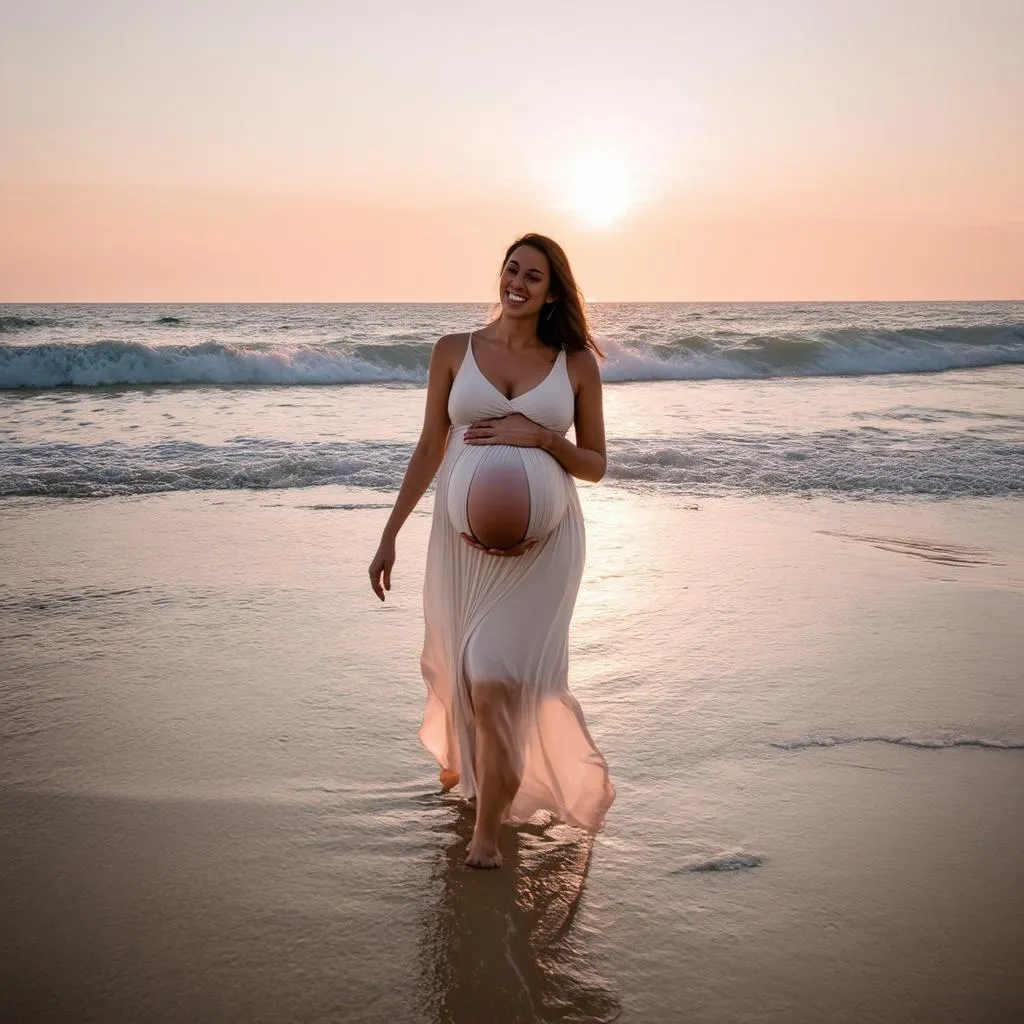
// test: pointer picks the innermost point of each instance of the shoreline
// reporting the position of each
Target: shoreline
(214, 804)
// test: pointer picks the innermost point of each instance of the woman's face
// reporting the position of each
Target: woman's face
(525, 277)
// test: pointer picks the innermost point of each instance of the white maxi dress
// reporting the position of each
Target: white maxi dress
(492, 619)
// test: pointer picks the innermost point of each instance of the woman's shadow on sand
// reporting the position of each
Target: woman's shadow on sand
(503, 946)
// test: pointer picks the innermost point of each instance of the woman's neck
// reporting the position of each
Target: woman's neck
(517, 334)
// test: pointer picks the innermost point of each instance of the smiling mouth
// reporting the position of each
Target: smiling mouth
(516, 300)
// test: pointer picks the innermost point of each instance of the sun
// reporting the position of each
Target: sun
(600, 189)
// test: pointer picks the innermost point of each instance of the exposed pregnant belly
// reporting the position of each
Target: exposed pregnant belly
(502, 495)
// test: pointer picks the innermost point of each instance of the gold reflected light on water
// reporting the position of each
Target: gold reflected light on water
(625, 544)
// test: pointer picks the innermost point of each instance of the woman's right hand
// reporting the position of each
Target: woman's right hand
(381, 565)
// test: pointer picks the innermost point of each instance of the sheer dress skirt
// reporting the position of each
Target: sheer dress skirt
(505, 621)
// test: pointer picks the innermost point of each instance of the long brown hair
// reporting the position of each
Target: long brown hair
(566, 327)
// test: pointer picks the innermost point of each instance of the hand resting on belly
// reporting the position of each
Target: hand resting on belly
(504, 497)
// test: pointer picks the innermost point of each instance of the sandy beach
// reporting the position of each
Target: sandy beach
(214, 806)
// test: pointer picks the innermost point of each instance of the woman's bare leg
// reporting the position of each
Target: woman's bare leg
(496, 708)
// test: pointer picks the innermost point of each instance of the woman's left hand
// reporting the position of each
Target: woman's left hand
(515, 429)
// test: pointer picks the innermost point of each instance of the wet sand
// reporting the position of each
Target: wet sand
(214, 807)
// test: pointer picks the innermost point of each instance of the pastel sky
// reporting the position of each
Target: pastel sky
(389, 150)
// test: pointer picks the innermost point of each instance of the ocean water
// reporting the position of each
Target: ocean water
(849, 399)
(797, 642)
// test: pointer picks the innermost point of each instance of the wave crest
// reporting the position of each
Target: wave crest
(110, 363)
(646, 357)
(842, 352)
(18, 323)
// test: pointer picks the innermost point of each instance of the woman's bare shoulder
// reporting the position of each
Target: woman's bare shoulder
(582, 357)
(449, 349)
(451, 342)
(582, 366)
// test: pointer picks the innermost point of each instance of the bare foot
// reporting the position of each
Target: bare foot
(448, 779)
(483, 855)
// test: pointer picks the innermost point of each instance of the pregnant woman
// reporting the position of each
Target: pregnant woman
(506, 551)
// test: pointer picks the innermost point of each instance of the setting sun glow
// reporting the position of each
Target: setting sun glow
(600, 189)
(149, 156)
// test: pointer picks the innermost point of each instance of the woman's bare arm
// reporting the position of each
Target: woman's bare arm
(586, 459)
(426, 457)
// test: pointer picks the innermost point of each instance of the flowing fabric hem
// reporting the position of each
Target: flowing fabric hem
(578, 792)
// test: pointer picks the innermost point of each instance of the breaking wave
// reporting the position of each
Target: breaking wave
(718, 355)
(112, 363)
(18, 323)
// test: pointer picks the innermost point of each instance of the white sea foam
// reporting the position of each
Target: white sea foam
(833, 462)
(734, 355)
(928, 742)
(126, 363)
(648, 356)
(897, 437)
(251, 464)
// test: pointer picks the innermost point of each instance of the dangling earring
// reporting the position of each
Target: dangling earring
(551, 311)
